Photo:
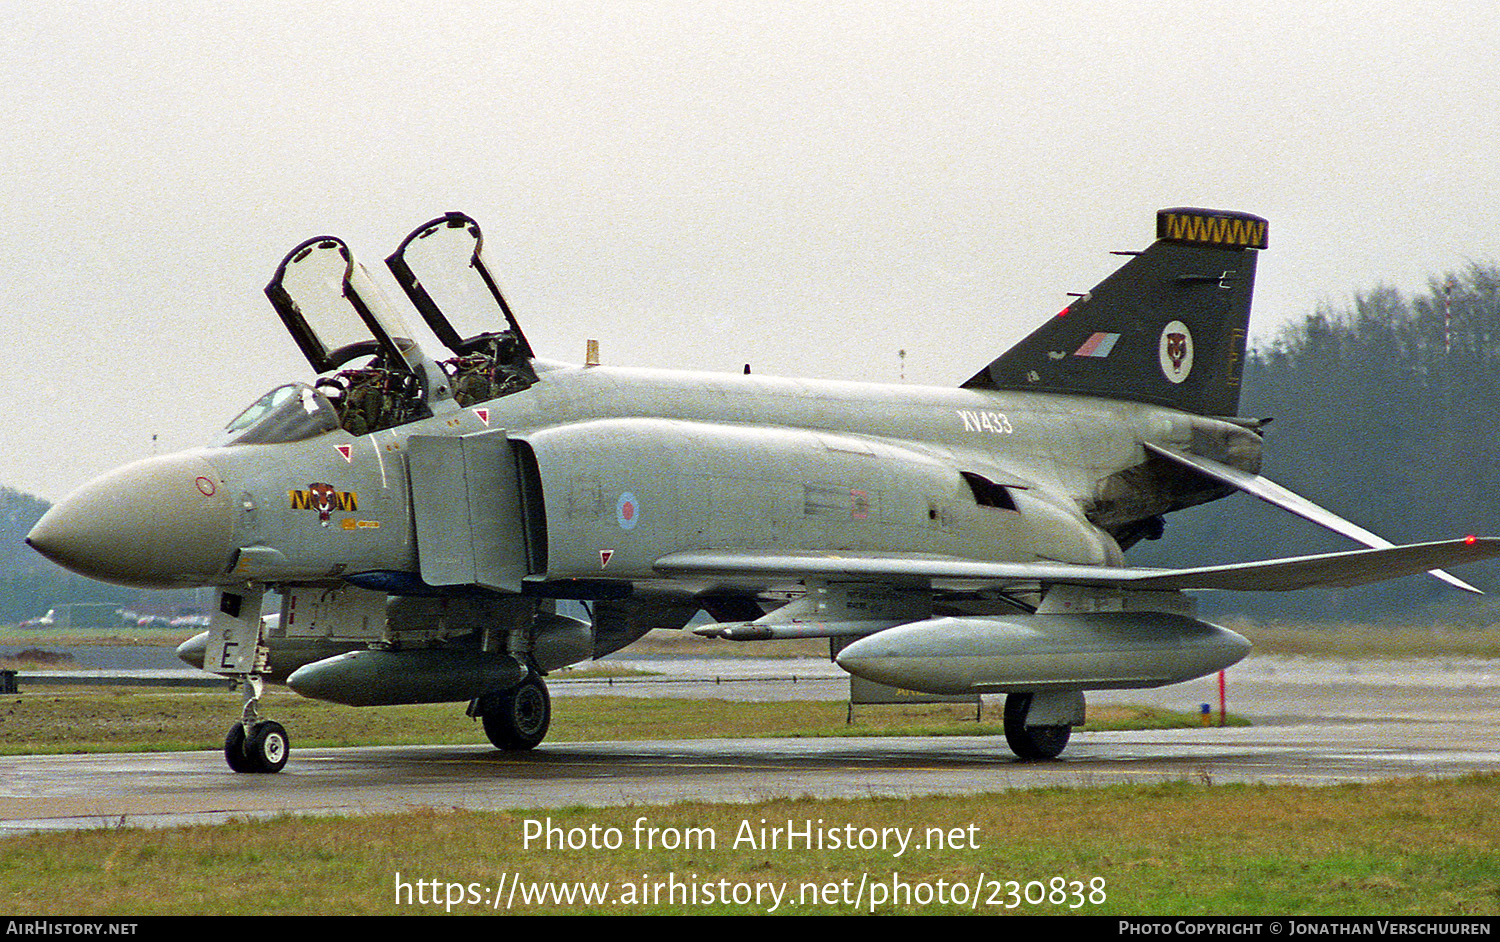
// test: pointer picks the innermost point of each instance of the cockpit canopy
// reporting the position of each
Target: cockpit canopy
(450, 250)
(337, 315)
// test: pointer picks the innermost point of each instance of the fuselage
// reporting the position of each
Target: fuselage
(635, 463)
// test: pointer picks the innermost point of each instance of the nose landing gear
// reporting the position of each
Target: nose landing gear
(253, 744)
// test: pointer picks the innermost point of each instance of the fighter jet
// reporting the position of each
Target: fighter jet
(423, 519)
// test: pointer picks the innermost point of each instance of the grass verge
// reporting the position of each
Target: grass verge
(1371, 642)
(69, 720)
(1178, 849)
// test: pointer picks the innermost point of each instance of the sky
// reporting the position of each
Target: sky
(811, 188)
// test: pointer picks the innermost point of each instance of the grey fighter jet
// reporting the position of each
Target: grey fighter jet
(421, 519)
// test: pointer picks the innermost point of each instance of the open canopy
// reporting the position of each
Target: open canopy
(468, 310)
(332, 308)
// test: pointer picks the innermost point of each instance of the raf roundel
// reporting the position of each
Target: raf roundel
(1175, 352)
(627, 511)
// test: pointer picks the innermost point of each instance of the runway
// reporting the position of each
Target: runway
(1317, 722)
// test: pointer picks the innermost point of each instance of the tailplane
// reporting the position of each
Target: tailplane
(1167, 328)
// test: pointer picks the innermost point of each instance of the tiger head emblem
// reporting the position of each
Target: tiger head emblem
(1177, 349)
(324, 500)
(1175, 354)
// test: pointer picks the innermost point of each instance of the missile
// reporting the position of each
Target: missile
(428, 675)
(1012, 654)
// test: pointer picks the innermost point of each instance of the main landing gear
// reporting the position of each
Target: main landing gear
(254, 744)
(1032, 742)
(518, 718)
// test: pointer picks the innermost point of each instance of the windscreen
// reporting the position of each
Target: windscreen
(287, 413)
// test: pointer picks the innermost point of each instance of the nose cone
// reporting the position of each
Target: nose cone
(158, 523)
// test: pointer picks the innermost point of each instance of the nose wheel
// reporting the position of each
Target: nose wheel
(254, 744)
(264, 749)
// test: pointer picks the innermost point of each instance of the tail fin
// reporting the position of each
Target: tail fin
(1167, 328)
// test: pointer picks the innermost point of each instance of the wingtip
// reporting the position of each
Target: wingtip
(1470, 540)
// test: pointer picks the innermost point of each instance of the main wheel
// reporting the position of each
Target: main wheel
(267, 747)
(1031, 742)
(519, 717)
(234, 749)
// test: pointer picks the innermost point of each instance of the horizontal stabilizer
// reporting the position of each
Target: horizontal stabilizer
(1273, 493)
(1355, 567)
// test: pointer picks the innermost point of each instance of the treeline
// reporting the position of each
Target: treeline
(1384, 413)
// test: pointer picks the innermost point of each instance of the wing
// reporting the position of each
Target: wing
(1355, 567)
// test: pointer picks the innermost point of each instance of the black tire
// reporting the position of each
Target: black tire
(268, 747)
(1031, 742)
(519, 718)
(234, 750)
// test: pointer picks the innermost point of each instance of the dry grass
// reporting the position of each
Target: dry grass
(37, 659)
(1452, 637)
(57, 637)
(1458, 634)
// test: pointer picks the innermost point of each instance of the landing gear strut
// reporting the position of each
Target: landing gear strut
(235, 649)
(1032, 742)
(517, 718)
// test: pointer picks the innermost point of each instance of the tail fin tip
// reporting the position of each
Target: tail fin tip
(1216, 227)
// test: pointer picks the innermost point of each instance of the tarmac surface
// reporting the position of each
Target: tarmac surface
(1316, 722)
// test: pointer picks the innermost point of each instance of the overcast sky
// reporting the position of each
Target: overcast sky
(807, 187)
